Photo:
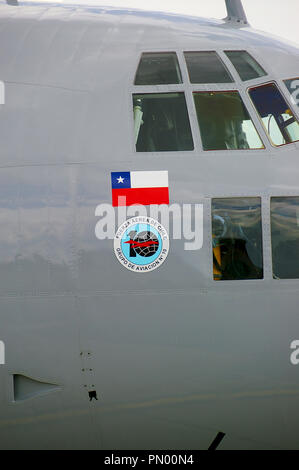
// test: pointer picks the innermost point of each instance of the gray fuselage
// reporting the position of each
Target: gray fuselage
(174, 356)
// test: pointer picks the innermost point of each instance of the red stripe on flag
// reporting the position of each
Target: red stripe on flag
(144, 196)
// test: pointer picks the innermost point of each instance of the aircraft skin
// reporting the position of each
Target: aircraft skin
(173, 356)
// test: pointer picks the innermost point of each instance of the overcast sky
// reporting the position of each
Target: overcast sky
(279, 17)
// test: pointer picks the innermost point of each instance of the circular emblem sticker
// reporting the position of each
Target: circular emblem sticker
(141, 244)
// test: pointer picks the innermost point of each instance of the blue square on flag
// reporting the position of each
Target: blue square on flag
(120, 180)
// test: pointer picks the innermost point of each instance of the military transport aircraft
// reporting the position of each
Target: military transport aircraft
(139, 340)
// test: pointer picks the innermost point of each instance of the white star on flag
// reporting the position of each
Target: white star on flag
(120, 180)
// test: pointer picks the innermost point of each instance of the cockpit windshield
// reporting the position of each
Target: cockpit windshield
(161, 115)
(206, 67)
(158, 68)
(224, 122)
(276, 115)
(247, 67)
(161, 122)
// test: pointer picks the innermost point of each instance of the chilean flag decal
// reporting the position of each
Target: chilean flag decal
(139, 187)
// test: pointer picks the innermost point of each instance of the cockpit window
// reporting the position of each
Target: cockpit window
(161, 122)
(276, 115)
(293, 87)
(158, 68)
(224, 122)
(207, 67)
(285, 237)
(246, 66)
(237, 239)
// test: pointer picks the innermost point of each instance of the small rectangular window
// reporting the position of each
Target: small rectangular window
(285, 237)
(224, 122)
(276, 115)
(158, 68)
(207, 67)
(246, 66)
(161, 122)
(293, 87)
(237, 239)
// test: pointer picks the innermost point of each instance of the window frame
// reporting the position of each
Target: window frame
(249, 114)
(264, 240)
(227, 69)
(188, 88)
(158, 84)
(268, 278)
(182, 92)
(165, 88)
(272, 82)
(286, 195)
(263, 77)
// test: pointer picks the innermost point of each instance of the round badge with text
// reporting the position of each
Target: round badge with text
(141, 244)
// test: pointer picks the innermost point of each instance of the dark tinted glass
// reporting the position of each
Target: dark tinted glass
(237, 239)
(206, 67)
(224, 122)
(246, 66)
(158, 69)
(285, 237)
(276, 115)
(161, 122)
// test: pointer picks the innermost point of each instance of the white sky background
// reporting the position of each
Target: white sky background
(279, 17)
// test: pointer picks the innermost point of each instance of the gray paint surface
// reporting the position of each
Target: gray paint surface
(175, 356)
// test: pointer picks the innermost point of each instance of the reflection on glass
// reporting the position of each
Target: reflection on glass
(293, 87)
(276, 115)
(246, 66)
(224, 122)
(161, 122)
(158, 68)
(237, 239)
(206, 67)
(285, 237)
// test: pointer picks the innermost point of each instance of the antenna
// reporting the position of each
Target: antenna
(235, 12)
(14, 3)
